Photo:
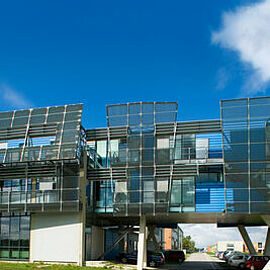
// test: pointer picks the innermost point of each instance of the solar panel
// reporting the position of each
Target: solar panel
(49, 133)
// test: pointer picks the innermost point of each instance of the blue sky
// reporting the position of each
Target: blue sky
(106, 52)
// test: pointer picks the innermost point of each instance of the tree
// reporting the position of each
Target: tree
(188, 244)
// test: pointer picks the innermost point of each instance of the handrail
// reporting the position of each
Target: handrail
(38, 196)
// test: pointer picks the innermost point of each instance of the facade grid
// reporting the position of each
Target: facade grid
(59, 180)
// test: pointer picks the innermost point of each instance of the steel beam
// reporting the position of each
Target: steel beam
(116, 242)
(266, 218)
(246, 239)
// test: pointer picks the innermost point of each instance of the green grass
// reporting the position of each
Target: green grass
(35, 266)
(187, 255)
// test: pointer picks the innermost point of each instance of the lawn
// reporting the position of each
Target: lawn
(33, 266)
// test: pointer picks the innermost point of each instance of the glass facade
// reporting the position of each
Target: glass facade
(141, 192)
(35, 145)
(50, 133)
(14, 237)
(58, 192)
(246, 154)
(142, 163)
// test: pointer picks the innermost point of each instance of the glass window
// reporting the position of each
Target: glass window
(134, 119)
(102, 152)
(117, 121)
(148, 155)
(116, 110)
(134, 142)
(209, 177)
(188, 190)
(14, 237)
(165, 117)
(148, 141)
(147, 119)
(176, 193)
(134, 108)
(134, 156)
(147, 108)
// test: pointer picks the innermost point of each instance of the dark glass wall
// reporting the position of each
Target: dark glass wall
(103, 196)
(245, 124)
(14, 237)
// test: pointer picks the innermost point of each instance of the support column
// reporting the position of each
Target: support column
(246, 239)
(82, 196)
(145, 249)
(266, 218)
(142, 246)
(267, 243)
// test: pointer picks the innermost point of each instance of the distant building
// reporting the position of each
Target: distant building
(172, 238)
(167, 238)
(237, 246)
(230, 245)
(211, 248)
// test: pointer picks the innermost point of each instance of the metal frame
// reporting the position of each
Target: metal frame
(41, 167)
(260, 202)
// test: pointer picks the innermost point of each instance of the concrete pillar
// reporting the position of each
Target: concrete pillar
(83, 199)
(142, 246)
(145, 248)
(246, 239)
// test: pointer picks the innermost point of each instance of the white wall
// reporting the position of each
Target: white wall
(56, 237)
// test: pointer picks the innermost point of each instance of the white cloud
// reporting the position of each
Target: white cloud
(13, 98)
(209, 234)
(222, 78)
(246, 31)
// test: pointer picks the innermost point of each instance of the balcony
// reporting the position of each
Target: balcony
(40, 200)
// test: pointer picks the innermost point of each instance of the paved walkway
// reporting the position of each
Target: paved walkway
(196, 261)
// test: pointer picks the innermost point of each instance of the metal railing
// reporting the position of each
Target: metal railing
(39, 196)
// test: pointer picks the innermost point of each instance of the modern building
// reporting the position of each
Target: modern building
(63, 186)
(172, 238)
(211, 248)
(238, 246)
(230, 245)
